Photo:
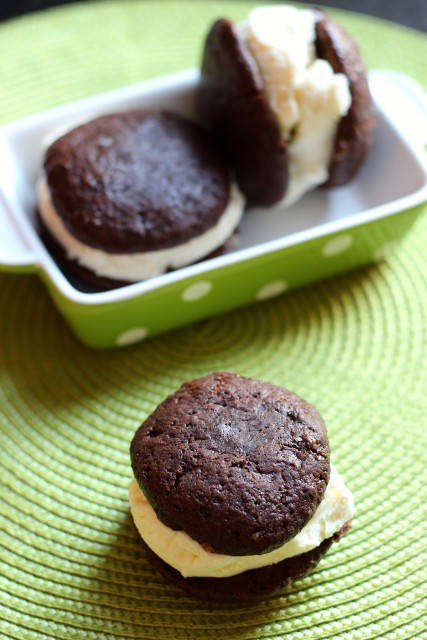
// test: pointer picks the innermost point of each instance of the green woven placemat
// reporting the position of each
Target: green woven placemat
(71, 562)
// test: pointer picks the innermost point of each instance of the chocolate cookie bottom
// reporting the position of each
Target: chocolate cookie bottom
(81, 278)
(88, 281)
(252, 584)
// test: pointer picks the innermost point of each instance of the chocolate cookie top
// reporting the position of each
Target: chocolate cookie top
(137, 181)
(355, 130)
(240, 465)
(233, 104)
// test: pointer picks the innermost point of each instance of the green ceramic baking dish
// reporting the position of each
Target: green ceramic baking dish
(326, 233)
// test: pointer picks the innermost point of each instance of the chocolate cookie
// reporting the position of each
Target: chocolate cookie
(131, 182)
(355, 131)
(131, 186)
(238, 464)
(233, 105)
(80, 277)
(252, 584)
(86, 280)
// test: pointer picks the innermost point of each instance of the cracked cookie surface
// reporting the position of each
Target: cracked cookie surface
(240, 465)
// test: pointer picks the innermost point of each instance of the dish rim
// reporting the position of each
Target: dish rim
(43, 263)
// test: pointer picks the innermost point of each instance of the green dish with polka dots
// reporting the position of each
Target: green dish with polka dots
(326, 233)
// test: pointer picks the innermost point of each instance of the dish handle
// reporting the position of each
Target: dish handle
(15, 251)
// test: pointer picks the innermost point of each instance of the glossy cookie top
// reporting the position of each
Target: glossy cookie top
(137, 181)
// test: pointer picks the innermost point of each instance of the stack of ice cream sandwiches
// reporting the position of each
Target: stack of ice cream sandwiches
(283, 107)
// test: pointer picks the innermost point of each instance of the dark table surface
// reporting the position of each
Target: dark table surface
(412, 13)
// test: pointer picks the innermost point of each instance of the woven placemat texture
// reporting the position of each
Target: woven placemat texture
(71, 562)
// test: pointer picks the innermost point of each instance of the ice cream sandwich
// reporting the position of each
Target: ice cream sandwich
(129, 196)
(286, 93)
(234, 494)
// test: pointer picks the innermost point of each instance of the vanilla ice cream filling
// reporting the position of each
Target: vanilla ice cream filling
(305, 94)
(140, 265)
(188, 557)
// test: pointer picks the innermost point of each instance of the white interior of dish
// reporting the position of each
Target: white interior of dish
(393, 178)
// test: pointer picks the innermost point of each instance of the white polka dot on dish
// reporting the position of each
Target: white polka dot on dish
(196, 291)
(271, 289)
(131, 335)
(337, 245)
